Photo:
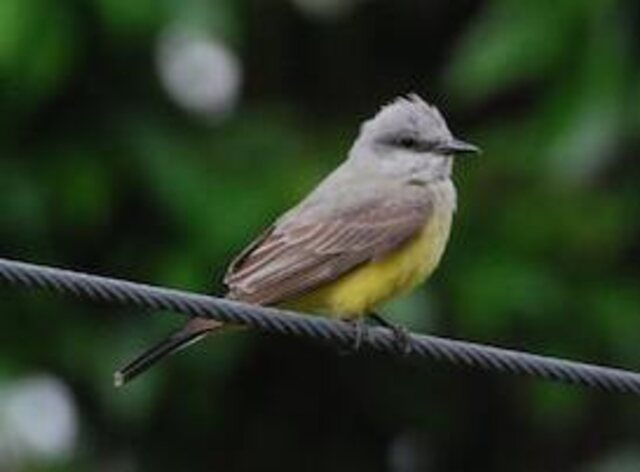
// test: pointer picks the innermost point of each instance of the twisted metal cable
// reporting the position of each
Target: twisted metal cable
(272, 320)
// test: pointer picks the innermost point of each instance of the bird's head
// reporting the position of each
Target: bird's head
(409, 136)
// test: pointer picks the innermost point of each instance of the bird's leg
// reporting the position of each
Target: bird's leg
(400, 333)
(360, 332)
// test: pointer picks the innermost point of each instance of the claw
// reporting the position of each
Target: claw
(402, 339)
(401, 335)
(361, 333)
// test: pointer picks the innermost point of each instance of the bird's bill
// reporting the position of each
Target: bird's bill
(457, 146)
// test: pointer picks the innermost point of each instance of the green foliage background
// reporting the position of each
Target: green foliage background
(101, 171)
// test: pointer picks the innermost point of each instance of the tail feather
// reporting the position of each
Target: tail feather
(192, 332)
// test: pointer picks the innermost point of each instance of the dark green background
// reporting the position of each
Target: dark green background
(101, 171)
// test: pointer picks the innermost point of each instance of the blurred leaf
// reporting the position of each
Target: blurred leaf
(81, 188)
(218, 17)
(592, 106)
(557, 408)
(23, 213)
(33, 65)
(497, 291)
(130, 17)
(513, 41)
(615, 308)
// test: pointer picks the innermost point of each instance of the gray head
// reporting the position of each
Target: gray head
(407, 137)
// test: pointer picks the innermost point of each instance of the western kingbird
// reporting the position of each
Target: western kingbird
(373, 229)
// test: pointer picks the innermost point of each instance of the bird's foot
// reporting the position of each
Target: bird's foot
(401, 335)
(360, 333)
(402, 339)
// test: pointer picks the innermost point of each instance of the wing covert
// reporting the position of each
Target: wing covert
(296, 257)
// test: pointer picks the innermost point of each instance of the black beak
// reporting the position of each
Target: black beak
(457, 146)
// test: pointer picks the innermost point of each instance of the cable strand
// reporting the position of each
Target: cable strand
(461, 353)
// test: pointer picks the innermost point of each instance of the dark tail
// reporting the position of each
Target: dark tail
(192, 332)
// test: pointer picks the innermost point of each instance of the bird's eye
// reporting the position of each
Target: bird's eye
(408, 142)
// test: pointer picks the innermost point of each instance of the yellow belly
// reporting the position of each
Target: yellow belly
(358, 292)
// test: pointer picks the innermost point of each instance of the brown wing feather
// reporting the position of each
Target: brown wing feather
(293, 259)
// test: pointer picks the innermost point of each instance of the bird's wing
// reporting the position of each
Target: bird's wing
(291, 259)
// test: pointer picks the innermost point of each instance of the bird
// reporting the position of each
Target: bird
(374, 229)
